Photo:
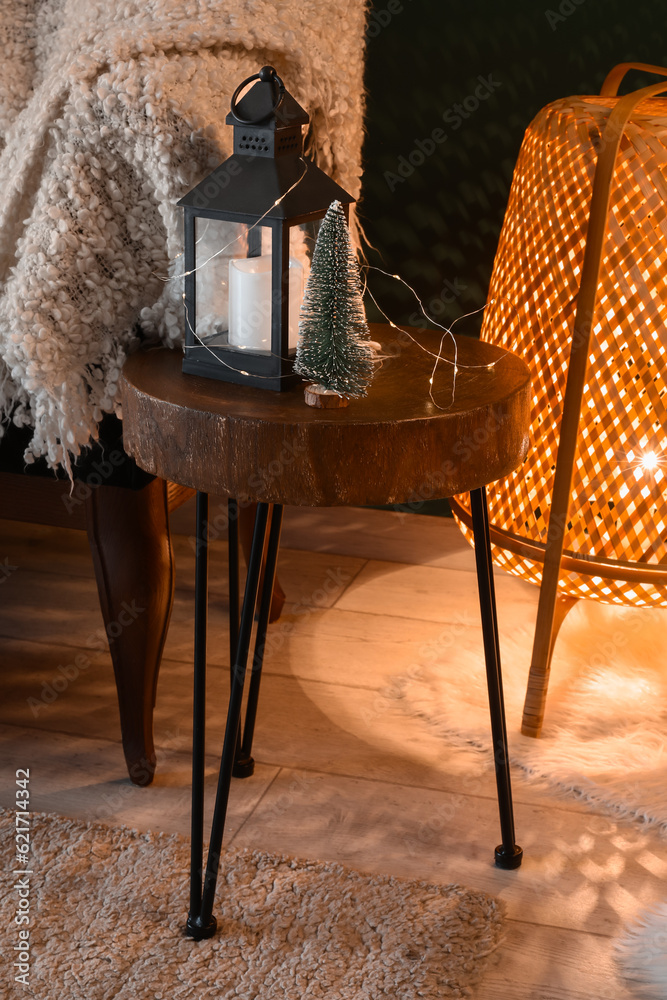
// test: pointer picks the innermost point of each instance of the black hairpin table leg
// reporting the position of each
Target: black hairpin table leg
(243, 767)
(201, 923)
(262, 625)
(199, 705)
(507, 854)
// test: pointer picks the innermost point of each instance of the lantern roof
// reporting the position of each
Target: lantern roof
(267, 176)
(289, 187)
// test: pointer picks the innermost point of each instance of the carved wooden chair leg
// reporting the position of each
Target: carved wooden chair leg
(538, 678)
(128, 532)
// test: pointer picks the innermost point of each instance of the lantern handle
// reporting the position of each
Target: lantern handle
(267, 74)
(613, 79)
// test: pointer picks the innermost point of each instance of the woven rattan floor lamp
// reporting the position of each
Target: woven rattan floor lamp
(579, 288)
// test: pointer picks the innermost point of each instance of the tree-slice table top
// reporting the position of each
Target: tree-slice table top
(393, 446)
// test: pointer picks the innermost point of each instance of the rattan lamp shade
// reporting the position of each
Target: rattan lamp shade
(614, 524)
(618, 510)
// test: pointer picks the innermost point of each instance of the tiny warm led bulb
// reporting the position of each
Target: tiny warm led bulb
(649, 461)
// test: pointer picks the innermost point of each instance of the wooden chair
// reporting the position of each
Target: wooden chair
(128, 533)
(130, 542)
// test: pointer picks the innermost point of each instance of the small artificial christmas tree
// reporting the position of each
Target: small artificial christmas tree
(333, 349)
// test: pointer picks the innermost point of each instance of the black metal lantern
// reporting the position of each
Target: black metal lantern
(250, 228)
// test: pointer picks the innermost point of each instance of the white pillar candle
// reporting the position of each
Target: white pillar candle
(250, 302)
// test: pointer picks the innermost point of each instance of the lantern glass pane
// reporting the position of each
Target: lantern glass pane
(302, 240)
(302, 245)
(235, 293)
(216, 243)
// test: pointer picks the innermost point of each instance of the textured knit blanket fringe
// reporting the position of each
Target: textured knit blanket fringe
(110, 110)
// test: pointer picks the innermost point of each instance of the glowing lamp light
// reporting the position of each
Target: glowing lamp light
(649, 461)
(579, 289)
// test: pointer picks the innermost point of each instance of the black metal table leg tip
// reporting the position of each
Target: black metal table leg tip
(244, 767)
(194, 928)
(509, 860)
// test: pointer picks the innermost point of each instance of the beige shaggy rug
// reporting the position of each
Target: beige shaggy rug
(605, 731)
(641, 954)
(107, 909)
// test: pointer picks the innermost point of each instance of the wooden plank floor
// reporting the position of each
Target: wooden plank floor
(342, 774)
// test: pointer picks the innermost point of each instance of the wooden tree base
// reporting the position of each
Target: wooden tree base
(325, 399)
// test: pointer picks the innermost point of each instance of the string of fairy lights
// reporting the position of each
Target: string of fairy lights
(365, 289)
(447, 332)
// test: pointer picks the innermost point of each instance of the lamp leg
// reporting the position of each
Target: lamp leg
(508, 854)
(564, 605)
(203, 924)
(551, 613)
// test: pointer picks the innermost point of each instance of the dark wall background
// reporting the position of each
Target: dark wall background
(435, 217)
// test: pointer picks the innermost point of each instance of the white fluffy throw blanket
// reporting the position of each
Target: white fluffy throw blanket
(110, 110)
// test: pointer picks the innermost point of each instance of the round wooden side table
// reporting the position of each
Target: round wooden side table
(397, 445)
